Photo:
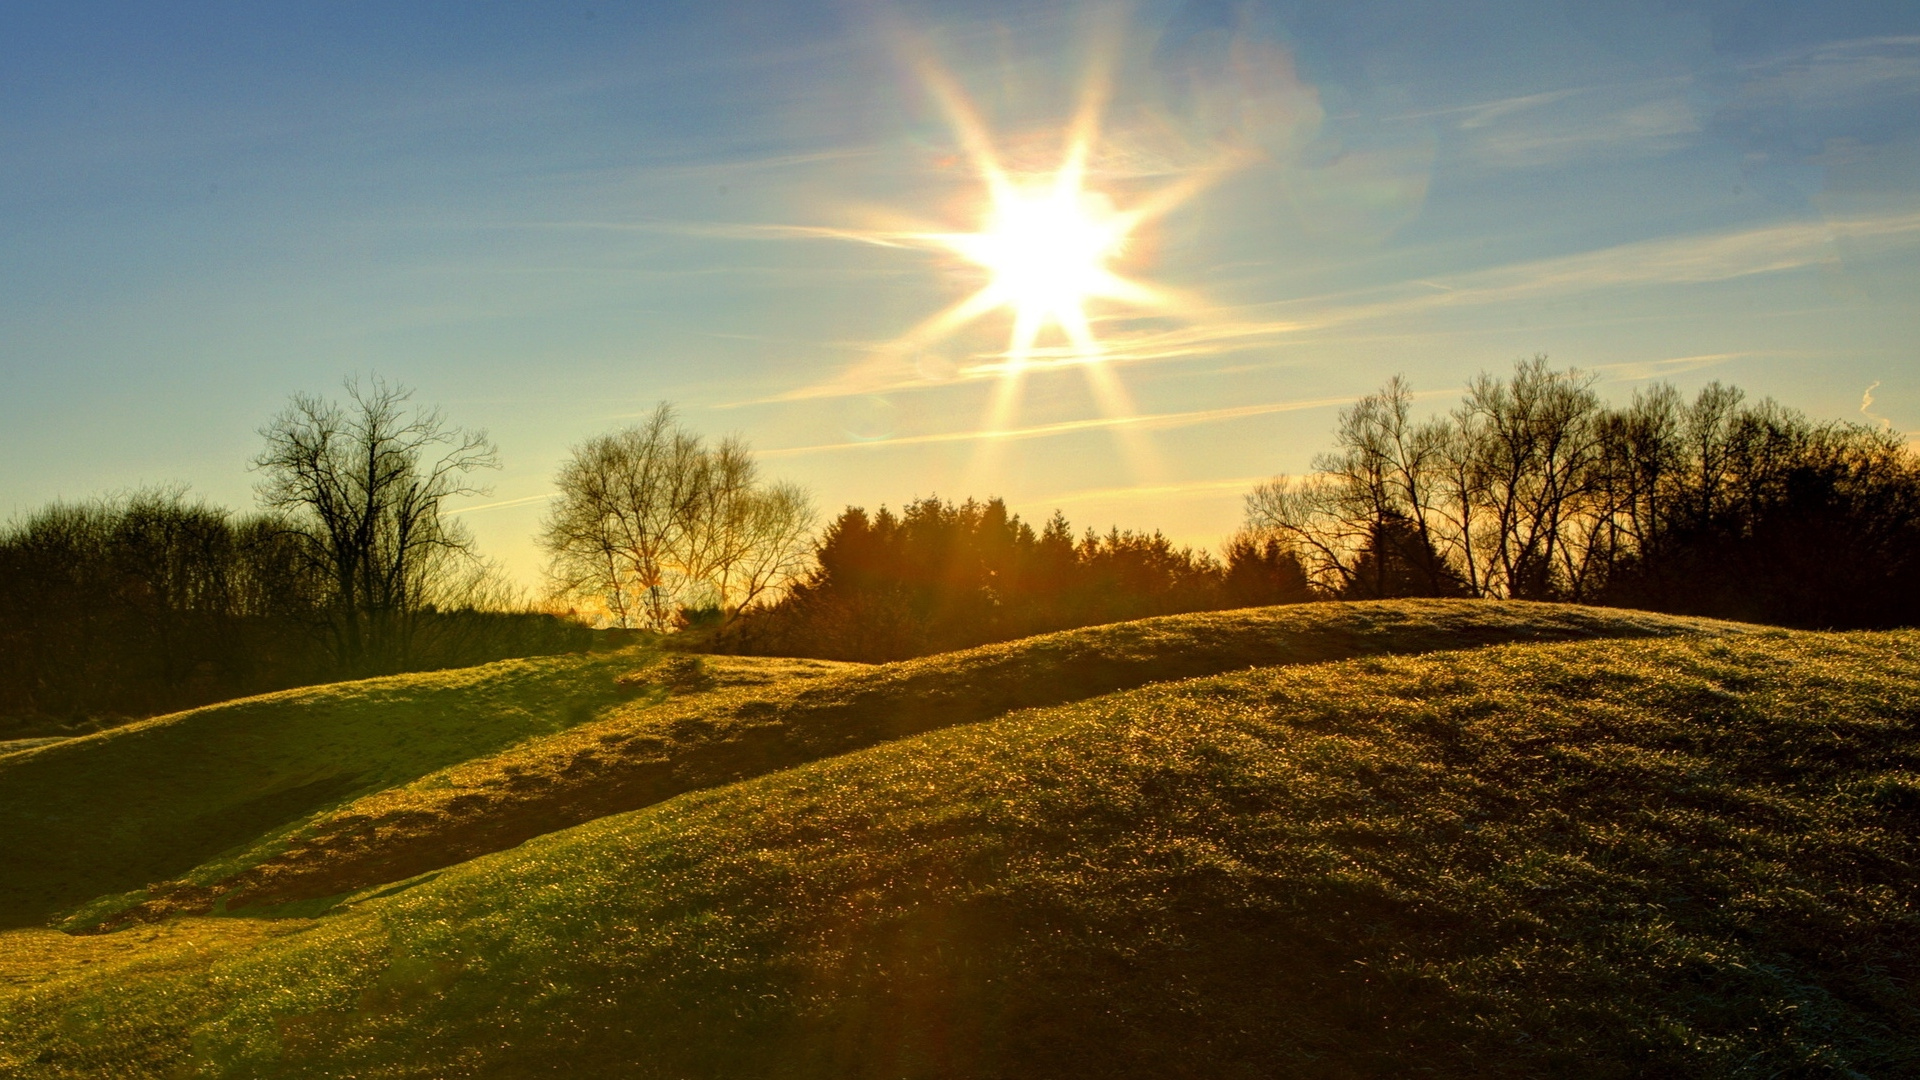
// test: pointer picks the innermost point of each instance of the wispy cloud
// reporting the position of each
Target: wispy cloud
(1647, 127)
(885, 371)
(1560, 126)
(1866, 407)
(1683, 260)
(1695, 259)
(1481, 114)
(1148, 422)
(737, 230)
(1840, 73)
(1156, 491)
(1653, 116)
(1637, 370)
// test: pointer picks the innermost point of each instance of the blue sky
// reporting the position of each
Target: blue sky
(548, 216)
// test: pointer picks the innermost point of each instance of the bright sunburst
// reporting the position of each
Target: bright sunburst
(1047, 246)
(1049, 243)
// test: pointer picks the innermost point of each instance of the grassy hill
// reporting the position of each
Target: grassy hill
(1697, 854)
(1676, 857)
(300, 797)
(117, 810)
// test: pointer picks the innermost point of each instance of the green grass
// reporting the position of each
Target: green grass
(144, 802)
(1692, 856)
(114, 811)
(638, 755)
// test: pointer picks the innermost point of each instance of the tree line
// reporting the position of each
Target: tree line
(1534, 488)
(149, 601)
(353, 564)
(941, 575)
(653, 527)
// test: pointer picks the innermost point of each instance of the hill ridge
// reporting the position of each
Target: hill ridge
(636, 758)
(1608, 858)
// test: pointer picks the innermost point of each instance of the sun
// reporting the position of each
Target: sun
(1050, 243)
(1047, 244)
(1047, 248)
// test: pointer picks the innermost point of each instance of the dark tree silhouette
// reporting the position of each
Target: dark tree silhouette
(1400, 561)
(941, 575)
(1262, 571)
(363, 486)
(1535, 489)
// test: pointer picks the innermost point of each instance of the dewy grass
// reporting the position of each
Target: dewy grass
(640, 755)
(1691, 856)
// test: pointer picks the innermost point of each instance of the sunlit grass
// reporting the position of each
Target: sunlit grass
(1689, 856)
(642, 753)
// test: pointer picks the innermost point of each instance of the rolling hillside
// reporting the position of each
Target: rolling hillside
(1691, 854)
(299, 796)
(122, 808)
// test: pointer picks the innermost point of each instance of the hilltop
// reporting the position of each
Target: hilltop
(1582, 847)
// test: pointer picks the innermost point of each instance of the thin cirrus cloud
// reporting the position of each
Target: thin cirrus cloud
(1146, 422)
(1564, 126)
(1696, 259)
(1684, 260)
(1155, 491)
(1655, 116)
(1642, 370)
(1149, 422)
(503, 504)
(1839, 73)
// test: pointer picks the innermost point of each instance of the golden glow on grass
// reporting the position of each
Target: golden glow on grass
(1463, 842)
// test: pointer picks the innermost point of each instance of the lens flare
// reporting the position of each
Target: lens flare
(1049, 243)
(1046, 247)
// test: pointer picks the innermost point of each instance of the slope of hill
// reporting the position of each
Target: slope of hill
(637, 755)
(1692, 856)
(116, 810)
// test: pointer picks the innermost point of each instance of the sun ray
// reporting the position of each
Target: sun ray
(953, 318)
(966, 124)
(1048, 243)
(1026, 330)
(1111, 396)
(1160, 203)
(1005, 405)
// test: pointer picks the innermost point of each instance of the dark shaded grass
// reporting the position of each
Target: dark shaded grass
(644, 756)
(116, 810)
(1687, 857)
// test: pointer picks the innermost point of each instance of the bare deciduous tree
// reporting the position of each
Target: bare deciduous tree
(1534, 489)
(777, 549)
(1369, 519)
(650, 520)
(363, 484)
(1503, 497)
(1530, 446)
(1304, 512)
